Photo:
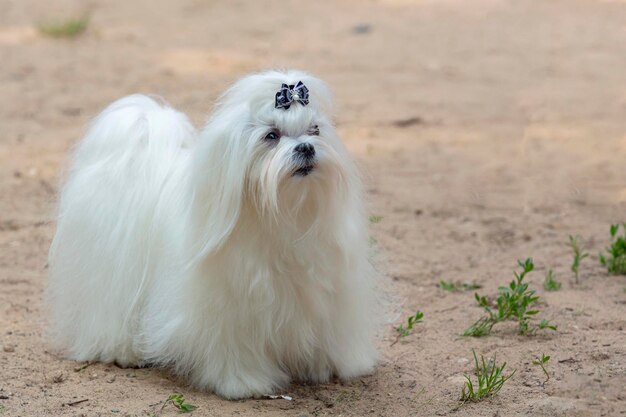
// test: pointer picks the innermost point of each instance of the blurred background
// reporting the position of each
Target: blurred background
(487, 131)
(404, 72)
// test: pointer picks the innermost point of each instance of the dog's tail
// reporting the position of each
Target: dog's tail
(107, 235)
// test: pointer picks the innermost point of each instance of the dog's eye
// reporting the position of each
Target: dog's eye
(314, 131)
(273, 135)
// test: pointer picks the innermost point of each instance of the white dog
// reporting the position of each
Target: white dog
(237, 256)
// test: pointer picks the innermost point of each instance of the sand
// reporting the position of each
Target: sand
(487, 131)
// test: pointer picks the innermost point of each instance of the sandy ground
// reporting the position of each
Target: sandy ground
(487, 131)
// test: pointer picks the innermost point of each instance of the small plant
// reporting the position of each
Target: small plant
(179, 402)
(481, 327)
(456, 286)
(490, 379)
(543, 361)
(448, 285)
(545, 324)
(615, 258)
(410, 322)
(579, 255)
(550, 283)
(513, 303)
(69, 28)
(374, 218)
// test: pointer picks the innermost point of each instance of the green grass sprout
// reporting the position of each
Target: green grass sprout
(579, 255)
(457, 286)
(615, 258)
(69, 28)
(410, 322)
(545, 324)
(514, 302)
(374, 218)
(550, 283)
(490, 379)
(543, 361)
(179, 402)
(481, 327)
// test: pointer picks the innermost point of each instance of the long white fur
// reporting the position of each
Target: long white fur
(203, 253)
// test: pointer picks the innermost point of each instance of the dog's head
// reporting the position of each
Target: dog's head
(271, 143)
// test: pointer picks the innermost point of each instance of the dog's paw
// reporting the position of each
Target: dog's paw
(319, 372)
(239, 385)
(237, 388)
(126, 359)
(356, 365)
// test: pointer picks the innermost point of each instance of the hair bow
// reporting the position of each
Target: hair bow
(290, 93)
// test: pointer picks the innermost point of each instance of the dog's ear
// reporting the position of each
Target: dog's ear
(219, 168)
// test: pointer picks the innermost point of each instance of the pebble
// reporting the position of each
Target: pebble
(362, 28)
(8, 348)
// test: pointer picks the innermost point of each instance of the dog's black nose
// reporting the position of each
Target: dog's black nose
(305, 149)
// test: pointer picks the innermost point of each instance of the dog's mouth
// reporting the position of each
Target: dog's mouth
(303, 171)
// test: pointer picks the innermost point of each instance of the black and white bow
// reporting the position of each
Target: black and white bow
(290, 93)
